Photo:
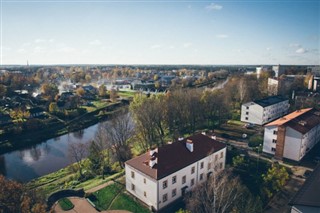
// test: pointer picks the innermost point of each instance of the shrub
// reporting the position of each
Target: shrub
(255, 141)
(65, 204)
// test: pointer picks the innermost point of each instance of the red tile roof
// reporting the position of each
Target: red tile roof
(175, 156)
(301, 120)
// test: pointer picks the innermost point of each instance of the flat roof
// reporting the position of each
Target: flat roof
(309, 193)
(271, 100)
(288, 117)
(175, 156)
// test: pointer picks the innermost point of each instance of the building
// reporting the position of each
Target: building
(264, 110)
(163, 175)
(293, 135)
(307, 199)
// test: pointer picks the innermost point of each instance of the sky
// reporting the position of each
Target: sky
(160, 32)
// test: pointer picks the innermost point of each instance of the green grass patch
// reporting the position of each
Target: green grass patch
(65, 204)
(125, 202)
(105, 196)
(235, 122)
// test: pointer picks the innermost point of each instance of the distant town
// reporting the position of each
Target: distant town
(163, 138)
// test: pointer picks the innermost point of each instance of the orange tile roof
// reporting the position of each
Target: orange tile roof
(288, 117)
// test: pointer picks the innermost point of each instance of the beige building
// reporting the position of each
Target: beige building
(163, 175)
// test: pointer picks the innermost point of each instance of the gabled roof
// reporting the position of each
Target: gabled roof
(175, 156)
(288, 117)
(301, 120)
(309, 194)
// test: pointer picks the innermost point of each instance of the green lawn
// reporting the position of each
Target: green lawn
(125, 202)
(105, 196)
(65, 204)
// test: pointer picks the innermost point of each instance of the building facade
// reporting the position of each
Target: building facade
(265, 110)
(293, 135)
(163, 175)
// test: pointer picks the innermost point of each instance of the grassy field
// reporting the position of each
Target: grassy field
(65, 204)
(65, 179)
(113, 197)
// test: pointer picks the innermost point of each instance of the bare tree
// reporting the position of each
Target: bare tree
(118, 131)
(220, 193)
(77, 152)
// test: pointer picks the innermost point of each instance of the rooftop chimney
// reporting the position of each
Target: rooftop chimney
(153, 161)
(189, 145)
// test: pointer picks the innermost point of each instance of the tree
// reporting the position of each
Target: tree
(275, 179)
(77, 152)
(118, 131)
(49, 91)
(102, 90)
(80, 91)
(113, 95)
(3, 90)
(53, 107)
(14, 197)
(222, 192)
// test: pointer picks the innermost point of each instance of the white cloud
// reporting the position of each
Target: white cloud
(67, 49)
(213, 6)
(186, 45)
(269, 48)
(172, 47)
(95, 42)
(39, 49)
(301, 51)
(39, 40)
(155, 46)
(51, 40)
(21, 50)
(222, 36)
(295, 45)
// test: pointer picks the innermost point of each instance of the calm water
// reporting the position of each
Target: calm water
(44, 158)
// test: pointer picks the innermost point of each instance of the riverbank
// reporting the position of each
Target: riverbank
(56, 129)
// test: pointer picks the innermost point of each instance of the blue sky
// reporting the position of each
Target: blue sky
(160, 32)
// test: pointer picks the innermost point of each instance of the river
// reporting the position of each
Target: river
(41, 159)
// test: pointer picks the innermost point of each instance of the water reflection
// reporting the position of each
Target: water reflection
(44, 158)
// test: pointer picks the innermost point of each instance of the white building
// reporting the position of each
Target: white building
(163, 175)
(264, 110)
(293, 135)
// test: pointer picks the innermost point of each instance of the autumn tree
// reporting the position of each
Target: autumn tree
(3, 90)
(102, 90)
(49, 91)
(14, 197)
(53, 107)
(80, 91)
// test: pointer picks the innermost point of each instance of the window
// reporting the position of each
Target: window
(164, 184)
(215, 157)
(145, 193)
(246, 118)
(174, 179)
(201, 165)
(201, 176)
(133, 187)
(247, 113)
(174, 192)
(247, 107)
(275, 132)
(132, 174)
(274, 141)
(183, 179)
(192, 170)
(273, 149)
(192, 182)
(144, 181)
(209, 166)
(221, 155)
(164, 197)
(221, 165)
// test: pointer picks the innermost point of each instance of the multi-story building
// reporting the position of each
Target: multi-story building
(293, 135)
(164, 174)
(264, 110)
